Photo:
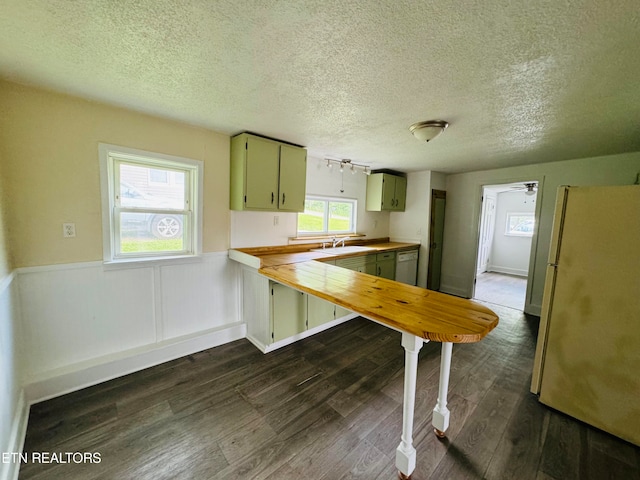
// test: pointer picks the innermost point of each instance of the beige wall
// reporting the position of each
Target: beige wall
(49, 148)
(463, 213)
(5, 256)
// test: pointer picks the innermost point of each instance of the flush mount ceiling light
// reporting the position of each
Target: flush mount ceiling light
(427, 131)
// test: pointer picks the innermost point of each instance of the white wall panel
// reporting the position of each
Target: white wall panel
(199, 296)
(13, 410)
(82, 312)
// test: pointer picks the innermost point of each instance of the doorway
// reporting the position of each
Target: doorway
(436, 233)
(507, 224)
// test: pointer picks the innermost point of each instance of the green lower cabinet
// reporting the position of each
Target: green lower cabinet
(342, 312)
(386, 269)
(369, 264)
(288, 312)
(319, 311)
(386, 265)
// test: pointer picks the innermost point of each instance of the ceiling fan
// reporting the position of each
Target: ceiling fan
(530, 188)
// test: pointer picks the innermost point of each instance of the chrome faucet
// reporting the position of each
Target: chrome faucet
(337, 241)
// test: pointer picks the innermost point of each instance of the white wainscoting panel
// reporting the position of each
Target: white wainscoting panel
(77, 317)
(13, 408)
(199, 296)
(72, 314)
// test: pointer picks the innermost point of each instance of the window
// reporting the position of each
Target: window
(324, 216)
(520, 224)
(144, 215)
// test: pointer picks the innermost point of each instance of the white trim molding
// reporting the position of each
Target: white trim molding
(10, 470)
(84, 323)
(85, 374)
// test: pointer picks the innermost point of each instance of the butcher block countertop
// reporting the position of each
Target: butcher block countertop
(421, 312)
(259, 257)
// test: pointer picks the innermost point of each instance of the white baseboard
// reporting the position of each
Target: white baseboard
(458, 292)
(307, 333)
(508, 270)
(85, 374)
(532, 309)
(10, 470)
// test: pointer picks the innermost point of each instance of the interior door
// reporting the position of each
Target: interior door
(487, 228)
(436, 234)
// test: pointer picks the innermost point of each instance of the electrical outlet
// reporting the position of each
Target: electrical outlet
(276, 220)
(68, 230)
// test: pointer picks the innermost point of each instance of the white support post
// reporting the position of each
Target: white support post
(440, 420)
(406, 453)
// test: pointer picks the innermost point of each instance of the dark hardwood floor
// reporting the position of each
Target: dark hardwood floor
(328, 407)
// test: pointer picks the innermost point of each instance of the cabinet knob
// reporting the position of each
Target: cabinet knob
(283, 198)
(272, 198)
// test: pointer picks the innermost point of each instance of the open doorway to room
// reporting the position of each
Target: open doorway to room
(504, 247)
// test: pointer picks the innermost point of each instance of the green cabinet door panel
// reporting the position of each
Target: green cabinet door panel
(388, 191)
(386, 269)
(319, 311)
(288, 312)
(293, 171)
(400, 194)
(261, 188)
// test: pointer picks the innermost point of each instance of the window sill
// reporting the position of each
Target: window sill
(326, 237)
(150, 262)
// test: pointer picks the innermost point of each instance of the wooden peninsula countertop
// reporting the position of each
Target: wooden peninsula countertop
(424, 313)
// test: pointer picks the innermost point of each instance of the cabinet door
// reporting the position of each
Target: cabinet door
(342, 312)
(293, 178)
(319, 311)
(388, 191)
(374, 192)
(288, 312)
(261, 187)
(386, 269)
(400, 194)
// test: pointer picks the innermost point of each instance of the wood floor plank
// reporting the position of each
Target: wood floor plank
(562, 448)
(518, 453)
(363, 462)
(471, 450)
(330, 407)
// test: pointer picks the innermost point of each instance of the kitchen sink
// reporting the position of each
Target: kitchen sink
(342, 250)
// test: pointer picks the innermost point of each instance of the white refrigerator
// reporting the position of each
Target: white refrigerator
(587, 361)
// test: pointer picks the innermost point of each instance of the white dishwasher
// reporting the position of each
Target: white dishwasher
(407, 267)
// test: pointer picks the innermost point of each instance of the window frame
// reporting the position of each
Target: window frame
(327, 200)
(509, 233)
(110, 157)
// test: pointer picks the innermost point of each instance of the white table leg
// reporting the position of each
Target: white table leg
(406, 453)
(441, 412)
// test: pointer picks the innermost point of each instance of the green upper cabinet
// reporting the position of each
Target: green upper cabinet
(386, 192)
(267, 175)
(293, 176)
(401, 194)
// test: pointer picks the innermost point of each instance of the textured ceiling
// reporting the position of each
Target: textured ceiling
(519, 81)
